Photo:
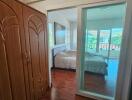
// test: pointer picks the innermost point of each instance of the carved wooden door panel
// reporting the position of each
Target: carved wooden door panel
(12, 86)
(4, 75)
(37, 51)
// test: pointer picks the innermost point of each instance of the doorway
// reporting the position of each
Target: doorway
(100, 38)
(62, 26)
(105, 42)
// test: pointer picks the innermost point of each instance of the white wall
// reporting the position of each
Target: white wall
(73, 35)
(63, 21)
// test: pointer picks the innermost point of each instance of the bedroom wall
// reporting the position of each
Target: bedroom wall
(73, 35)
(51, 41)
(61, 20)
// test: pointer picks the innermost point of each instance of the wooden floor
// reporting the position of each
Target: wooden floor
(98, 84)
(63, 86)
(103, 85)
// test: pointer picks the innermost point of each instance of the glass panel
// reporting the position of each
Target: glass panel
(115, 42)
(104, 42)
(100, 49)
(91, 39)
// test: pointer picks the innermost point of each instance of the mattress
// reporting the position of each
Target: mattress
(66, 60)
(96, 64)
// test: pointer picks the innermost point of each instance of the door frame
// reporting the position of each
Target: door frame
(120, 85)
(52, 22)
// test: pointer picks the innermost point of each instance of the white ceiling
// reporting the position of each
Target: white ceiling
(30, 1)
(69, 14)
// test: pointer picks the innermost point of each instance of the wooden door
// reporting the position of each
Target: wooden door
(12, 86)
(37, 51)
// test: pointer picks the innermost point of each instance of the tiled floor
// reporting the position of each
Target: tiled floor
(64, 86)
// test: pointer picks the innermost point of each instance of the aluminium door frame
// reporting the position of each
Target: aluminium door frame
(119, 95)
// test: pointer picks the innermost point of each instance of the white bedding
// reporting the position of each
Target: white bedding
(66, 60)
(93, 63)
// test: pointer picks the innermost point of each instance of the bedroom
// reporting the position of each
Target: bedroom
(63, 31)
(102, 45)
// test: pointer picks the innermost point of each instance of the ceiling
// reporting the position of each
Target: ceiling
(69, 14)
(30, 1)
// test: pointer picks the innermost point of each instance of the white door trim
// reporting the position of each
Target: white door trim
(125, 71)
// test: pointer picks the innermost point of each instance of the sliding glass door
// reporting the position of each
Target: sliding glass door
(91, 39)
(99, 44)
(104, 42)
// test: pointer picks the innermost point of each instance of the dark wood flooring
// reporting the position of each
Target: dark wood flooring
(103, 85)
(98, 84)
(63, 86)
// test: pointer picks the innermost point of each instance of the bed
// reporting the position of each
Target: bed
(63, 59)
(95, 63)
(67, 60)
